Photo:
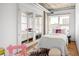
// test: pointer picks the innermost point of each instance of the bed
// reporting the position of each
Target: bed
(57, 36)
(54, 41)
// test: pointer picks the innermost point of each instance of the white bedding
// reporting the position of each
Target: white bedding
(57, 36)
(54, 41)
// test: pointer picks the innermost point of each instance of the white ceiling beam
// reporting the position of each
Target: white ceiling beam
(66, 8)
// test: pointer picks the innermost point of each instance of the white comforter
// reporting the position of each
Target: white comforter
(58, 36)
(54, 41)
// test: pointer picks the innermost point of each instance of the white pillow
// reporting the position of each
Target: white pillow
(54, 52)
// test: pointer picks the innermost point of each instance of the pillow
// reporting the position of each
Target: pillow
(54, 52)
(58, 30)
(63, 31)
(40, 52)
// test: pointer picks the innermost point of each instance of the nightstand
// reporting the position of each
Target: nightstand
(69, 37)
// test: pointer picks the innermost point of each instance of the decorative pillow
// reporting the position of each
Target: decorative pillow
(54, 52)
(58, 30)
(40, 52)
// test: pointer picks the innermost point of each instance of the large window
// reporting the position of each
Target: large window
(54, 20)
(59, 20)
(30, 25)
(64, 20)
(23, 22)
(38, 24)
(26, 22)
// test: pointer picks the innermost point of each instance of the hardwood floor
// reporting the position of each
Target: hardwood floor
(72, 49)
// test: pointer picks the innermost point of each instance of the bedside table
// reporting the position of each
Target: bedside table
(69, 37)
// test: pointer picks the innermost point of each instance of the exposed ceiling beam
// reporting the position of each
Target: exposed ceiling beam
(57, 6)
(66, 8)
(41, 7)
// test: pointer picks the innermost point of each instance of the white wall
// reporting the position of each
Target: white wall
(77, 25)
(8, 24)
(71, 12)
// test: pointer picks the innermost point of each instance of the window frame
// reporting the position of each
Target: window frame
(51, 25)
(59, 19)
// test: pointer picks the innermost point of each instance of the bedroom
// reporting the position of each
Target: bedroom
(27, 23)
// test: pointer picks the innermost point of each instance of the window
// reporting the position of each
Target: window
(26, 26)
(38, 24)
(64, 20)
(30, 22)
(54, 20)
(23, 22)
(61, 21)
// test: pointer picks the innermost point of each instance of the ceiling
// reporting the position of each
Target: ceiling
(56, 6)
